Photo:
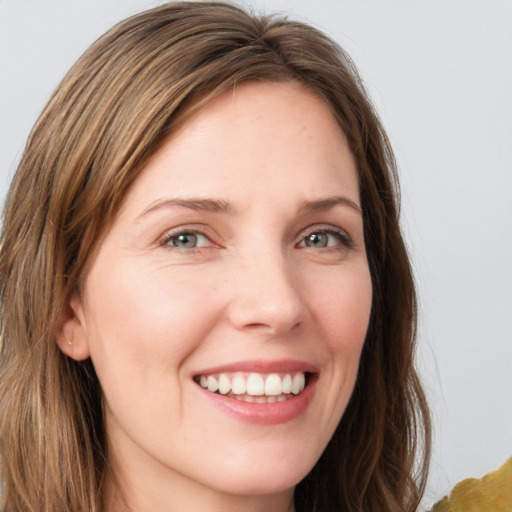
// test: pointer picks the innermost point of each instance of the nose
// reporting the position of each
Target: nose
(267, 295)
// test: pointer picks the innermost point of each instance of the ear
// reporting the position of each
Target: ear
(72, 332)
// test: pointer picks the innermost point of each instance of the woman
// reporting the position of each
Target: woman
(206, 299)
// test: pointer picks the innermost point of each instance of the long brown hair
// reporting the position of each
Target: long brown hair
(110, 113)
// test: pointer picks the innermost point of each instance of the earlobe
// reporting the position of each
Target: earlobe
(71, 334)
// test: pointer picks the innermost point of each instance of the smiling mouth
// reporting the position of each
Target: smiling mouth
(256, 387)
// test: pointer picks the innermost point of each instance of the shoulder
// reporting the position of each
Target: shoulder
(493, 493)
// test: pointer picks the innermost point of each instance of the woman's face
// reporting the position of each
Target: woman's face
(236, 261)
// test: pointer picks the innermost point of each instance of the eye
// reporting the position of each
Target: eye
(186, 240)
(325, 238)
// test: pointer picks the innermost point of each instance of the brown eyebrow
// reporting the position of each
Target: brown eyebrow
(328, 203)
(220, 206)
(204, 205)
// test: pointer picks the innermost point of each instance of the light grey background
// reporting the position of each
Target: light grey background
(440, 73)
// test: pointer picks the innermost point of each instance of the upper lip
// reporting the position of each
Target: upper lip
(262, 366)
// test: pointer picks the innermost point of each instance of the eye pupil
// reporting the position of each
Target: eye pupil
(316, 240)
(186, 240)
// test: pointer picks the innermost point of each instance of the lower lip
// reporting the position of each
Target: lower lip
(263, 414)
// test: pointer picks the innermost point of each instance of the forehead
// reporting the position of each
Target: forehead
(255, 138)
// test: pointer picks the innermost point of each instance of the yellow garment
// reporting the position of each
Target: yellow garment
(492, 493)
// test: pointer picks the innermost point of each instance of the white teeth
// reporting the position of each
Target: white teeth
(298, 383)
(272, 387)
(224, 384)
(255, 385)
(212, 384)
(238, 386)
(287, 383)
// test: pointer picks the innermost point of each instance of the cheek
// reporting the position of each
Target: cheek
(142, 321)
(342, 312)
(345, 312)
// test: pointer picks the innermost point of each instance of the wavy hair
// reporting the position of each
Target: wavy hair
(110, 113)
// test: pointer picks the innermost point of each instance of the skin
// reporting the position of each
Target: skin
(154, 314)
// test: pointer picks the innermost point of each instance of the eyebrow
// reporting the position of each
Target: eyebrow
(199, 204)
(322, 205)
(220, 206)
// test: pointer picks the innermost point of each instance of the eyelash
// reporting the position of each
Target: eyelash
(168, 237)
(345, 242)
(344, 239)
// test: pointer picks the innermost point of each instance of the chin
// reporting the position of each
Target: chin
(263, 484)
(267, 475)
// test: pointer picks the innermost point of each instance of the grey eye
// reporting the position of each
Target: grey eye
(319, 240)
(188, 240)
(185, 240)
(325, 238)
